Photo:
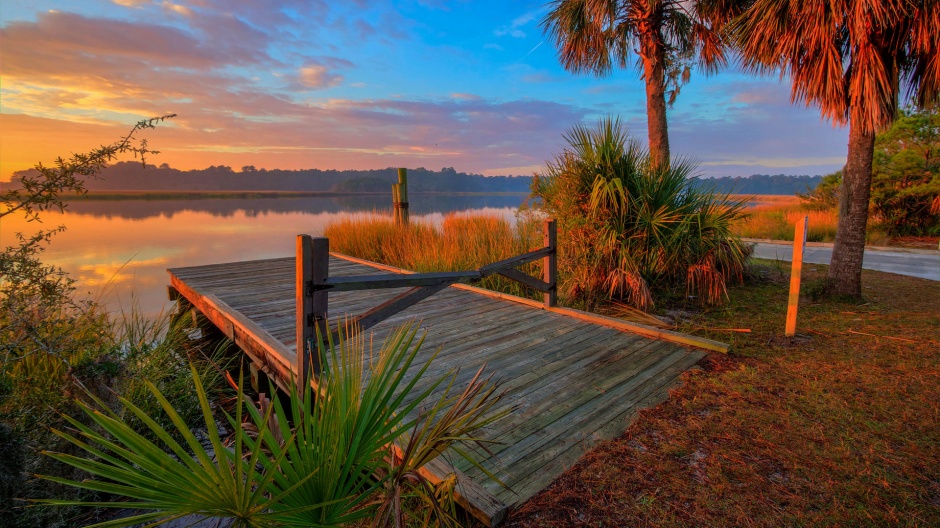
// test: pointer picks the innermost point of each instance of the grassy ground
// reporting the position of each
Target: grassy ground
(836, 427)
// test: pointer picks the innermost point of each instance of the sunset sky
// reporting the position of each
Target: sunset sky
(356, 85)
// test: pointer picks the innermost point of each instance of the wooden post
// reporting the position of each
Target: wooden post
(312, 267)
(403, 194)
(549, 264)
(396, 210)
(799, 243)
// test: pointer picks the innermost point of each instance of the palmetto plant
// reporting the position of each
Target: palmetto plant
(629, 225)
(324, 459)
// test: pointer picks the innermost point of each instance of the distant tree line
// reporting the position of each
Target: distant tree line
(781, 184)
(131, 176)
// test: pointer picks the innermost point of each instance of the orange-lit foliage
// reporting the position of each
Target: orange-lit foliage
(775, 218)
(462, 242)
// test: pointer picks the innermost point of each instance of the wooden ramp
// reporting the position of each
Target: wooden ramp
(571, 379)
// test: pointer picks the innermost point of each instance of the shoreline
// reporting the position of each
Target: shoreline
(202, 195)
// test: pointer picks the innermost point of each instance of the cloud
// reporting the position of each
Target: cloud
(492, 46)
(514, 29)
(747, 127)
(542, 77)
(266, 131)
(317, 76)
(511, 31)
(177, 8)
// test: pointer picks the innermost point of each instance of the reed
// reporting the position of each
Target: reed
(775, 218)
(461, 242)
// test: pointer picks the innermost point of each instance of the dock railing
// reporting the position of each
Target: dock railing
(313, 285)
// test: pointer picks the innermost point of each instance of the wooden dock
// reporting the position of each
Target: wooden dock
(571, 378)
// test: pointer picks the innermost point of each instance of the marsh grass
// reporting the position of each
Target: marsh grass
(460, 242)
(775, 218)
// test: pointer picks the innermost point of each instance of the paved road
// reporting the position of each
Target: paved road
(915, 263)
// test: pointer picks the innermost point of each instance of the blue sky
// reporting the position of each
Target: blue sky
(298, 84)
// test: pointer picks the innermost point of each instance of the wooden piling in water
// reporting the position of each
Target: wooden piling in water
(400, 197)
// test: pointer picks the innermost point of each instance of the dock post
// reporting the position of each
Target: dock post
(400, 197)
(396, 210)
(312, 267)
(550, 264)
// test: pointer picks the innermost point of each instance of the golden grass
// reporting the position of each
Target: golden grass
(461, 242)
(775, 218)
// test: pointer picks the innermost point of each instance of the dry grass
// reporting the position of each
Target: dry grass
(833, 428)
(775, 217)
(461, 242)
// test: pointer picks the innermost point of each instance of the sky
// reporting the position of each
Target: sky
(357, 84)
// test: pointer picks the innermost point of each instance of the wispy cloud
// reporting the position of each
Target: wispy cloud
(514, 28)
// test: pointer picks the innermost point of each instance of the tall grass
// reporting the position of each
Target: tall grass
(460, 242)
(776, 220)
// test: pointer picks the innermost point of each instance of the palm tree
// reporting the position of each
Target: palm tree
(594, 35)
(852, 59)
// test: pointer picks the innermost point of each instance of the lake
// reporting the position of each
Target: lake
(119, 250)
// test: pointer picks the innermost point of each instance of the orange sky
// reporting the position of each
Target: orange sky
(352, 85)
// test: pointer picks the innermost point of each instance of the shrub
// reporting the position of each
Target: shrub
(323, 459)
(628, 228)
(54, 348)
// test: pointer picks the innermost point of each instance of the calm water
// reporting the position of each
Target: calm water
(119, 250)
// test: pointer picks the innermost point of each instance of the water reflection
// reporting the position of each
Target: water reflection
(119, 250)
(253, 207)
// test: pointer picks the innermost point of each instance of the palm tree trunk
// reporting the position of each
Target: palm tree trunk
(845, 270)
(653, 55)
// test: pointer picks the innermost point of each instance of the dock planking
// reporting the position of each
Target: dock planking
(571, 379)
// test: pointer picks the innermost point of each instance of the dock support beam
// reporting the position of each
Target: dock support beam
(550, 264)
(312, 267)
(400, 197)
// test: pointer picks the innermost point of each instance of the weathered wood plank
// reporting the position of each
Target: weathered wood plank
(566, 374)
(602, 426)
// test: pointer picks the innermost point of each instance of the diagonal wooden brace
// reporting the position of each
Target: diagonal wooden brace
(528, 280)
(394, 305)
